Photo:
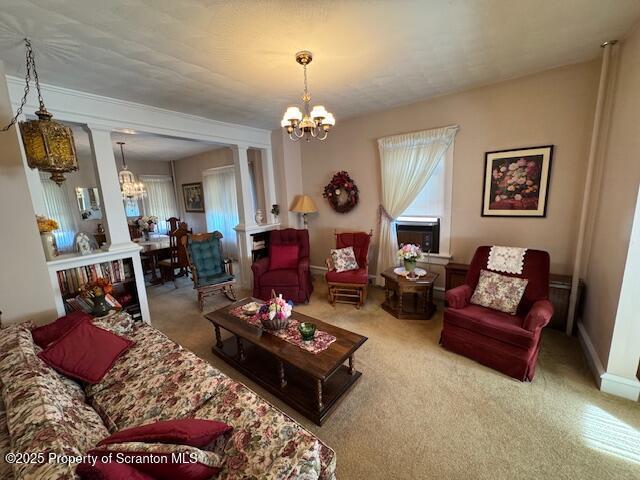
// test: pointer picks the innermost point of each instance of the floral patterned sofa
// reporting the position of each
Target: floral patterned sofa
(43, 411)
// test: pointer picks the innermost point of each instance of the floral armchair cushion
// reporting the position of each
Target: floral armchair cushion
(499, 292)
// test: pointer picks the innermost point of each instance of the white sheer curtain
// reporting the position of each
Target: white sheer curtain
(221, 206)
(407, 162)
(60, 209)
(160, 199)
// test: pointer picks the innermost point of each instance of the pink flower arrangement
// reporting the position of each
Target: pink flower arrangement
(409, 252)
(277, 308)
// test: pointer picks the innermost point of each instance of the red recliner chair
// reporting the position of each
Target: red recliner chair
(286, 270)
(504, 342)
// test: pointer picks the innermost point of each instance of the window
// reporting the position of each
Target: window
(131, 208)
(160, 200)
(221, 206)
(60, 209)
(427, 221)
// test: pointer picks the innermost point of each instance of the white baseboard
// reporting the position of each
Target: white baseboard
(590, 353)
(620, 386)
(607, 382)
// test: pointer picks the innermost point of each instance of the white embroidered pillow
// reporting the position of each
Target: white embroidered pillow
(344, 259)
(499, 292)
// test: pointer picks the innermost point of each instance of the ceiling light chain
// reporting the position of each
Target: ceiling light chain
(48, 145)
(315, 122)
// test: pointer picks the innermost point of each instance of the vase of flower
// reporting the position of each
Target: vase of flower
(49, 245)
(410, 265)
(96, 291)
(146, 234)
(100, 306)
(46, 226)
(409, 254)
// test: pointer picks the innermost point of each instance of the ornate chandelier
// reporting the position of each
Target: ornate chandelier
(315, 123)
(130, 188)
(48, 145)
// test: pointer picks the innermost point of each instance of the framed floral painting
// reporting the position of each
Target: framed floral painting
(516, 182)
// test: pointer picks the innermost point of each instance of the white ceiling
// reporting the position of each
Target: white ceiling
(143, 146)
(233, 60)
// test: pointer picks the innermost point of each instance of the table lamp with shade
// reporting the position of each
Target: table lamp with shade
(304, 204)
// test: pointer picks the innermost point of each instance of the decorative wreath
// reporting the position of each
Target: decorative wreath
(341, 192)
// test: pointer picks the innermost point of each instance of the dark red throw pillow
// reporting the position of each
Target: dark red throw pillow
(186, 431)
(85, 353)
(283, 256)
(46, 334)
(158, 465)
(110, 471)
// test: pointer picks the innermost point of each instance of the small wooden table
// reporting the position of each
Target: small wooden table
(397, 288)
(313, 384)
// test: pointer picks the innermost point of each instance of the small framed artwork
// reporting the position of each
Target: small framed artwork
(516, 182)
(84, 244)
(193, 197)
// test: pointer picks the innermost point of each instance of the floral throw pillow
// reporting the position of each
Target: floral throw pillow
(344, 259)
(499, 292)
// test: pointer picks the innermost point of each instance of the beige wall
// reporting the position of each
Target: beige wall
(553, 107)
(25, 290)
(287, 167)
(189, 170)
(617, 196)
(149, 167)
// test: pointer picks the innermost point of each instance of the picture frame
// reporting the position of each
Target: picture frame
(193, 196)
(516, 182)
(84, 243)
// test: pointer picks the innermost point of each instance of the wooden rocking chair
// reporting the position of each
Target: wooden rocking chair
(211, 272)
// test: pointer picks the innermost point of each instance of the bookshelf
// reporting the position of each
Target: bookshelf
(68, 273)
(120, 273)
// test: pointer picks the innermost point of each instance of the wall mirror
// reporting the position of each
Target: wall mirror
(89, 203)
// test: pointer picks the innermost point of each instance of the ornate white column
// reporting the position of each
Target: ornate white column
(110, 196)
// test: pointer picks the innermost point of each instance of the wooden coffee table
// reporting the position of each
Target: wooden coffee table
(313, 384)
(409, 299)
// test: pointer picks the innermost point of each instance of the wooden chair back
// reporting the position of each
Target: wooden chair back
(174, 222)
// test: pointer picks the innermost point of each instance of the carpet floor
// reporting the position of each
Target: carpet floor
(421, 412)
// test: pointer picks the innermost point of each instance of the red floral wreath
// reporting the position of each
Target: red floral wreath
(341, 192)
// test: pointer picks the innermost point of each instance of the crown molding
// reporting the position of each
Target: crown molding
(115, 114)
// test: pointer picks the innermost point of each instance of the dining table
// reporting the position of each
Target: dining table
(155, 247)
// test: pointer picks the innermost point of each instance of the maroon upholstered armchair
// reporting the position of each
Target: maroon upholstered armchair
(504, 342)
(286, 270)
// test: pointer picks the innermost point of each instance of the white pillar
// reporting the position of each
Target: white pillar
(246, 211)
(268, 179)
(620, 378)
(110, 196)
(246, 214)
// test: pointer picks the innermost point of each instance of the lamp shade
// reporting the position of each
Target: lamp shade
(303, 204)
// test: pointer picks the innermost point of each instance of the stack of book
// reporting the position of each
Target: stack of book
(259, 244)
(73, 279)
